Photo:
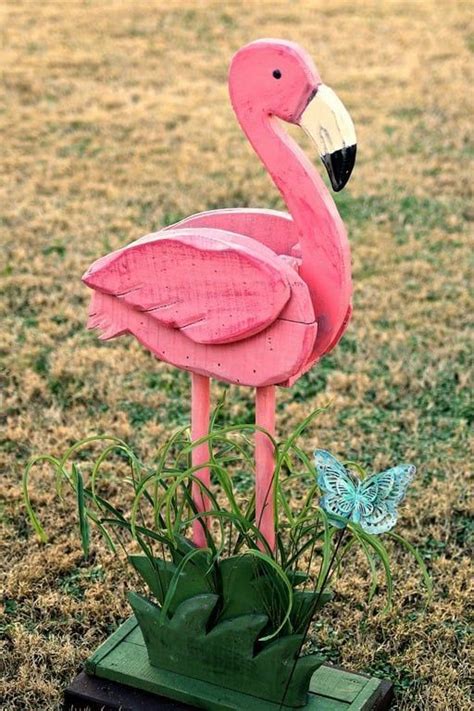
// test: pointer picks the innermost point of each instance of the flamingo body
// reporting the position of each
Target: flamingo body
(248, 296)
(211, 301)
(273, 228)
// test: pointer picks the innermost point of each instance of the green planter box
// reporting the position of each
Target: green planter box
(123, 658)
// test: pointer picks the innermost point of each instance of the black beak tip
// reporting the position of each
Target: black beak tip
(339, 166)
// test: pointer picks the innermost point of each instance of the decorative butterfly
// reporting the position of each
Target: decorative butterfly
(370, 502)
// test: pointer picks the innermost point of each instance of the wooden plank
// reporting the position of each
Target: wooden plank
(123, 659)
(223, 657)
(275, 229)
(129, 664)
(365, 695)
(90, 693)
(276, 355)
(135, 636)
(200, 409)
(111, 643)
(378, 694)
(265, 465)
(216, 286)
(325, 703)
(198, 298)
(337, 683)
(95, 693)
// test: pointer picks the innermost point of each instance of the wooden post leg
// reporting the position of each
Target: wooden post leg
(200, 406)
(265, 464)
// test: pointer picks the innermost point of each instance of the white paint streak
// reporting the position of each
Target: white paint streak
(327, 121)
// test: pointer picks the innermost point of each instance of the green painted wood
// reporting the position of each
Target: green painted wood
(337, 684)
(327, 704)
(226, 654)
(115, 639)
(216, 618)
(135, 636)
(365, 699)
(243, 584)
(128, 664)
(123, 658)
(159, 574)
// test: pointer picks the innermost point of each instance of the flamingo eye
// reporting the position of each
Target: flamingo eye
(277, 74)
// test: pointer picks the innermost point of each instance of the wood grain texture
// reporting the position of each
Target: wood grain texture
(90, 693)
(258, 104)
(211, 284)
(200, 409)
(272, 228)
(265, 465)
(248, 296)
(273, 356)
(124, 660)
(223, 276)
(227, 286)
(226, 654)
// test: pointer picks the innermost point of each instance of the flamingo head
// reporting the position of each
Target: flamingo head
(278, 78)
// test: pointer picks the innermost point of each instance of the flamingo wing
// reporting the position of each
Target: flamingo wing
(273, 228)
(213, 285)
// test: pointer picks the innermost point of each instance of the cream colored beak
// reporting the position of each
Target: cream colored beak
(327, 121)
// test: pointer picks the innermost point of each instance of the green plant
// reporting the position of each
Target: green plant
(275, 594)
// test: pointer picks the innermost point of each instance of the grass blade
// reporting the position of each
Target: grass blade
(82, 511)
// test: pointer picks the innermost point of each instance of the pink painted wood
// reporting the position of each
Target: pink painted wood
(215, 286)
(200, 402)
(248, 296)
(264, 461)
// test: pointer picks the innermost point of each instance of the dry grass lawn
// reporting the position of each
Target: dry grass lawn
(115, 120)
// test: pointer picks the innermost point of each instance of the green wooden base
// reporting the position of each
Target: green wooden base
(123, 658)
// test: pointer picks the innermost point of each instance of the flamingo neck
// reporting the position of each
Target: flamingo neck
(323, 239)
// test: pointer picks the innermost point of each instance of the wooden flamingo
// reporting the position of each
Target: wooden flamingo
(248, 296)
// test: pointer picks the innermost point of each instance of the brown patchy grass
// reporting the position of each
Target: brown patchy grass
(115, 120)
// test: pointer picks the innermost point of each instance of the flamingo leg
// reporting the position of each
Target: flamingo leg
(200, 407)
(265, 464)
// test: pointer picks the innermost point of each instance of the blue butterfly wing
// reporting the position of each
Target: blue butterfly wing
(380, 495)
(383, 524)
(336, 483)
(403, 474)
(333, 477)
(378, 486)
(332, 504)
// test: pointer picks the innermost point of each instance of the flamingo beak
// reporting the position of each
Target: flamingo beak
(327, 121)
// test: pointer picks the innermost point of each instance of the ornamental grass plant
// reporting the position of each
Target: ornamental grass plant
(237, 573)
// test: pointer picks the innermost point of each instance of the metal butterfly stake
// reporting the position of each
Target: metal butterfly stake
(370, 502)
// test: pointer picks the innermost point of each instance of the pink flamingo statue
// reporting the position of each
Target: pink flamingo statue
(247, 296)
